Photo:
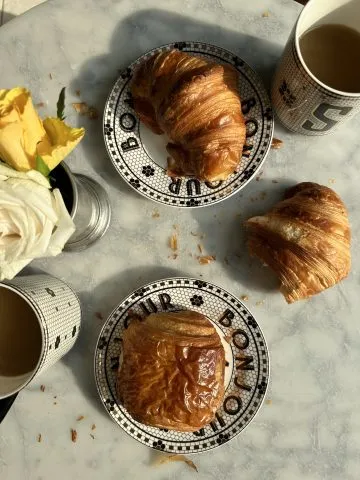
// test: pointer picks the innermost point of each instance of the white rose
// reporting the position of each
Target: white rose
(34, 221)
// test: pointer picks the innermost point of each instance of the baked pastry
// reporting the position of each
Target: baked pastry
(172, 372)
(196, 103)
(305, 239)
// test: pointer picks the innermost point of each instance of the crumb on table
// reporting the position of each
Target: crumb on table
(73, 435)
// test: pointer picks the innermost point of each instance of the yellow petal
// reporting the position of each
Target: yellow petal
(16, 108)
(62, 139)
(11, 147)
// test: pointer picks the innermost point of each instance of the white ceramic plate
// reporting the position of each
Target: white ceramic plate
(246, 371)
(140, 156)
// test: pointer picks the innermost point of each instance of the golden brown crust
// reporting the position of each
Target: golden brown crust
(305, 239)
(172, 372)
(196, 102)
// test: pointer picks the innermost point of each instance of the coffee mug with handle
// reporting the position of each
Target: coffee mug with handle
(40, 318)
(303, 103)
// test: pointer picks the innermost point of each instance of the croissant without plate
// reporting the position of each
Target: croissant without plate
(172, 372)
(197, 104)
(305, 239)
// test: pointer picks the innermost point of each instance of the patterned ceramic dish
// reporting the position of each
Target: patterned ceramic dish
(140, 156)
(246, 371)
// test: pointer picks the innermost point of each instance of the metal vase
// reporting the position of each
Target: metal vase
(88, 205)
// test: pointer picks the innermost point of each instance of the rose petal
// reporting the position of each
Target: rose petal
(7, 172)
(63, 139)
(26, 130)
(10, 270)
(65, 226)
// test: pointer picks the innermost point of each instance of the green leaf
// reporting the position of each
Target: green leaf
(61, 104)
(41, 166)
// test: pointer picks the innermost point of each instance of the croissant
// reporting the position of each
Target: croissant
(197, 104)
(305, 239)
(172, 372)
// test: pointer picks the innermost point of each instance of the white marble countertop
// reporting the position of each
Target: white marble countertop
(311, 428)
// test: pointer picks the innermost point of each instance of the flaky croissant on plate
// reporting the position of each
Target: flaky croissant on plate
(172, 371)
(196, 103)
(305, 239)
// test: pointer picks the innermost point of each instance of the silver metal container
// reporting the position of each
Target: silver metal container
(88, 205)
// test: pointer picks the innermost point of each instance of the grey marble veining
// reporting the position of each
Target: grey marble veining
(311, 429)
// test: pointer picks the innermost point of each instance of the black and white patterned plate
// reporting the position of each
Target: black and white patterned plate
(141, 157)
(246, 371)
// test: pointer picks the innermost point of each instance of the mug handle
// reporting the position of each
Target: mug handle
(5, 406)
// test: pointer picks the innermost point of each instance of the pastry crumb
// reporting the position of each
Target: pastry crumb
(93, 426)
(55, 403)
(79, 418)
(266, 14)
(244, 297)
(276, 143)
(332, 180)
(200, 235)
(50, 76)
(155, 213)
(39, 437)
(206, 259)
(82, 108)
(99, 316)
(93, 113)
(92, 436)
(40, 104)
(262, 195)
(77, 93)
(173, 256)
(176, 226)
(161, 460)
(42, 388)
(173, 242)
(268, 402)
(200, 248)
(260, 302)
(73, 435)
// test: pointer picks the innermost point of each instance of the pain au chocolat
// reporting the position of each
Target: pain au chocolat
(172, 372)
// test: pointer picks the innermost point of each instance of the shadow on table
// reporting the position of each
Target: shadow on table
(97, 306)
(228, 238)
(5, 17)
(138, 33)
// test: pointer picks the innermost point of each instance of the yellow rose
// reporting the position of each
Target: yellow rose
(23, 134)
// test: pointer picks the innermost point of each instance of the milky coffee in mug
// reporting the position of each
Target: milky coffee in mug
(317, 83)
(40, 319)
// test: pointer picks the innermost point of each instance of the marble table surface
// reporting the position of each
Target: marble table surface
(309, 428)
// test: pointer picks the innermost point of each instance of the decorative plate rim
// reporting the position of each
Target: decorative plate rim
(100, 369)
(191, 201)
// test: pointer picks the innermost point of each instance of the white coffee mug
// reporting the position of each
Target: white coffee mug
(301, 101)
(39, 323)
